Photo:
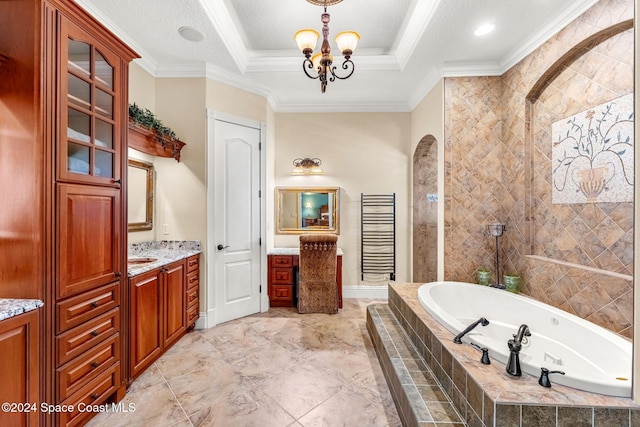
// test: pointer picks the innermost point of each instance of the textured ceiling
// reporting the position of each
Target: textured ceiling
(406, 46)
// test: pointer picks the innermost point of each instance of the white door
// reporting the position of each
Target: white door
(236, 222)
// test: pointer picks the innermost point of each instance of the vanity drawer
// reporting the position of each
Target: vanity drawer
(193, 313)
(193, 279)
(95, 392)
(281, 293)
(193, 263)
(281, 261)
(76, 310)
(72, 376)
(192, 296)
(282, 276)
(86, 336)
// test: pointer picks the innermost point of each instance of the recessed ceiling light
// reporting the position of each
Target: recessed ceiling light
(191, 34)
(484, 29)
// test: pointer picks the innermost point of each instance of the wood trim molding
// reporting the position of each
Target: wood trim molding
(152, 143)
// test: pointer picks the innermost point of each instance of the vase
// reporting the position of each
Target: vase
(592, 182)
(483, 277)
(511, 282)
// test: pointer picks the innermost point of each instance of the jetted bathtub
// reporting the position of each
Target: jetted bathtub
(593, 358)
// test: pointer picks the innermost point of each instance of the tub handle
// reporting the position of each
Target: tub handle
(544, 377)
(485, 354)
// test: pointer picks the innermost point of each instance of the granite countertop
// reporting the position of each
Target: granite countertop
(292, 251)
(161, 252)
(10, 307)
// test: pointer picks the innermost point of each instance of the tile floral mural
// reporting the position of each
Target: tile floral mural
(592, 155)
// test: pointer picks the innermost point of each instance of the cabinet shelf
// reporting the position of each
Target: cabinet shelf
(152, 143)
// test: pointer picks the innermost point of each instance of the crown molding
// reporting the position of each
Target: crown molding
(471, 69)
(419, 20)
(431, 78)
(145, 60)
(220, 17)
(290, 64)
(554, 26)
(344, 107)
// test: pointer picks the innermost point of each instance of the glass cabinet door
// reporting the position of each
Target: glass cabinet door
(88, 149)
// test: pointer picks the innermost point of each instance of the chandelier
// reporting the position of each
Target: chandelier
(321, 64)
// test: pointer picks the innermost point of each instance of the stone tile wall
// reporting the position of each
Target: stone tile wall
(498, 166)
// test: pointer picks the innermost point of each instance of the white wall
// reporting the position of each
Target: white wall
(361, 153)
(142, 91)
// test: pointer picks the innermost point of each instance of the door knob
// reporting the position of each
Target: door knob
(220, 247)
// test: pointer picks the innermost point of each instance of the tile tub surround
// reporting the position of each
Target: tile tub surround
(485, 394)
(165, 252)
(419, 398)
(10, 307)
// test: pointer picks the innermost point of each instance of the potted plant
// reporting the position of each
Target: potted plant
(149, 135)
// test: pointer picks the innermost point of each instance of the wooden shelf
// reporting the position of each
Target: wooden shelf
(150, 142)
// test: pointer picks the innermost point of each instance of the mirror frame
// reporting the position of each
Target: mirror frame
(148, 222)
(280, 191)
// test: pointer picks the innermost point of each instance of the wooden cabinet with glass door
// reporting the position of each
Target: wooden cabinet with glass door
(91, 112)
(89, 227)
(65, 124)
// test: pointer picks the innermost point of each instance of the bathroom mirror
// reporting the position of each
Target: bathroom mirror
(140, 177)
(301, 210)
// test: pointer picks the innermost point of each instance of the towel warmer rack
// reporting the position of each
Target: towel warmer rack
(378, 234)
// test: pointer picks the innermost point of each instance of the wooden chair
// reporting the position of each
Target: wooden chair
(317, 288)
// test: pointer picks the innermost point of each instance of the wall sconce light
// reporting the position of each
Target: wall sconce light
(307, 166)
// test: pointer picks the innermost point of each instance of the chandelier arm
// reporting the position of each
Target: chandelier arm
(346, 65)
(308, 64)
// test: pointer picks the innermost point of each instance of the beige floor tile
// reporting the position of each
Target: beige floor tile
(278, 368)
(347, 408)
(151, 406)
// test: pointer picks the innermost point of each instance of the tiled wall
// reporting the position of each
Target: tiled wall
(425, 210)
(497, 168)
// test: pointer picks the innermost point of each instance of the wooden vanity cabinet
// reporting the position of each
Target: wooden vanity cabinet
(19, 370)
(161, 308)
(282, 279)
(64, 135)
(193, 290)
(145, 321)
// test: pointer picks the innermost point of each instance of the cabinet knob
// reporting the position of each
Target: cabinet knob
(94, 333)
(94, 364)
(94, 304)
(118, 275)
(94, 396)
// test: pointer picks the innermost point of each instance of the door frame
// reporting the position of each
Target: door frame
(208, 318)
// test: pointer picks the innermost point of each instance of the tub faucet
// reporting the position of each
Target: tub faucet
(515, 345)
(482, 321)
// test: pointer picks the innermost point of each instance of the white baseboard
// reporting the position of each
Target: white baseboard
(370, 292)
(264, 303)
(207, 319)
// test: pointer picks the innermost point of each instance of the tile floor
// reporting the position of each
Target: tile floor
(278, 368)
